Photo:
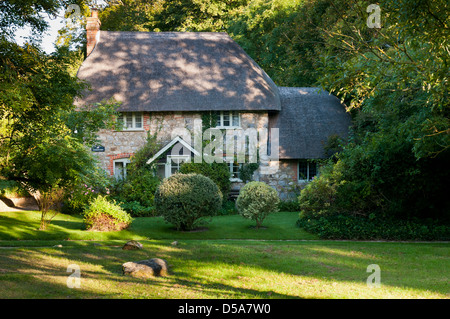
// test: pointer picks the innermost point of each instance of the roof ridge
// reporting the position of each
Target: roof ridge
(166, 34)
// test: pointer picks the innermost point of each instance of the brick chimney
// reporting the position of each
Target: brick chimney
(92, 31)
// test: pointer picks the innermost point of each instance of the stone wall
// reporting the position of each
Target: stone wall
(285, 180)
(123, 144)
(167, 125)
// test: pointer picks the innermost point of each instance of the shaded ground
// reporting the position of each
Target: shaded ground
(228, 269)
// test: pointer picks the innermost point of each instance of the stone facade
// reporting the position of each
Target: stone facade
(123, 144)
(167, 125)
(285, 180)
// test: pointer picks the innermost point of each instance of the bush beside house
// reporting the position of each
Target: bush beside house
(185, 199)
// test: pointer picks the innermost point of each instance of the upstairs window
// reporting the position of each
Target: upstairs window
(131, 120)
(227, 119)
(306, 170)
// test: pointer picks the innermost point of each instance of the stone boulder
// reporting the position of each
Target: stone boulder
(132, 245)
(146, 268)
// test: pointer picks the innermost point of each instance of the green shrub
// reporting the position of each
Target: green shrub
(136, 193)
(11, 189)
(218, 172)
(256, 200)
(140, 187)
(228, 208)
(289, 206)
(104, 215)
(318, 196)
(185, 199)
(362, 228)
(135, 209)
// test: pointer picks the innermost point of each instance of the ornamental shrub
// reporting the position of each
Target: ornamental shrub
(218, 172)
(256, 201)
(104, 215)
(185, 199)
(136, 193)
(347, 227)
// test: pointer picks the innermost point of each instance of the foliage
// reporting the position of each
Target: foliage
(11, 189)
(103, 214)
(218, 172)
(85, 189)
(184, 199)
(135, 209)
(256, 201)
(140, 158)
(395, 82)
(179, 15)
(289, 206)
(87, 120)
(228, 208)
(39, 149)
(284, 37)
(49, 202)
(246, 171)
(361, 228)
(136, 193)
(318, 196)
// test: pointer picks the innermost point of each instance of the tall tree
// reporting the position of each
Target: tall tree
(39, 147)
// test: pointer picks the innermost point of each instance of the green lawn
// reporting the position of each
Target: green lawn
(211, 264)
(24, 226)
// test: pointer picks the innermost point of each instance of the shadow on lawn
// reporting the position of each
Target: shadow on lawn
(28, 270)
(29, 274)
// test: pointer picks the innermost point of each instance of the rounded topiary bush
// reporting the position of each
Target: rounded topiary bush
(103, 215)
(256, 200)
(184, 199)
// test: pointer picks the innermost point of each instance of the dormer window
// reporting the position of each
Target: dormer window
(228, 119)
(131, 120)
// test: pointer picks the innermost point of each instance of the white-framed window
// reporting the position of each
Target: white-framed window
(174, 163)
(234, 170)
(131, 120)
(120, 168)
(306, 170)
(234, 167)
(227, 119)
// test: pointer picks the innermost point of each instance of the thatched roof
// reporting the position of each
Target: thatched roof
(307, 118)
(171, 71)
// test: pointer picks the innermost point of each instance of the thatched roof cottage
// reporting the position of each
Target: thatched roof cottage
(167, 81)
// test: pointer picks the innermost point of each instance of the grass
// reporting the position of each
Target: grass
(24, 226)
(223, 262)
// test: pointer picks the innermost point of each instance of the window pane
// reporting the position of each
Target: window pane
(161, 170)
(118, 170)
(129, 120)
(312, 170)
(235, 119)
(235, 172)
(226, 119)
(218, 120)
(120, 120)
(302, 170)
(138, 120)
(175, 164)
